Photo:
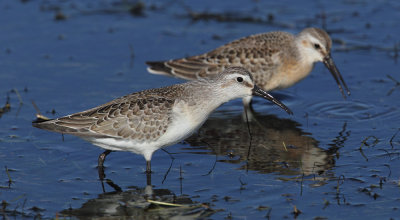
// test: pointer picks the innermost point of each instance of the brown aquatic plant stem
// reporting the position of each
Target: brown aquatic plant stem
(365, 143)
(391, 139)
(170, 166)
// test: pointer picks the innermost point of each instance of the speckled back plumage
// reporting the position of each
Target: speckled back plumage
(142, 116)
(257, 53)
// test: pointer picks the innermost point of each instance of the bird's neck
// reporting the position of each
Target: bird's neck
(202, 99)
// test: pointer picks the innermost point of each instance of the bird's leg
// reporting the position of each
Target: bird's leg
(249, 115)
(248, 108)
(100, 167)
(148, 178)
(113, 185)
(148, 172)
(247, 103)
(102, 157)
(148, 166)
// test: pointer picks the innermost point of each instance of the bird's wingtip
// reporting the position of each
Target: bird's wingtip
(153, 71)
(158, 67)
(40, 119)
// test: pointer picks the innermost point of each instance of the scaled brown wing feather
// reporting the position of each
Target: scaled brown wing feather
(131, 117)
(190, 68)
(249, 52)
(187, 68)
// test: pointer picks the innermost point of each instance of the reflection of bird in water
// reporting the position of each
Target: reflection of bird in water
(277, 145)
(140, 203)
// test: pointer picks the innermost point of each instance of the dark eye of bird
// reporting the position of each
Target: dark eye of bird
(239, 79)
(317, 46)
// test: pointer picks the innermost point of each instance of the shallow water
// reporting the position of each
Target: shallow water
(334, 158)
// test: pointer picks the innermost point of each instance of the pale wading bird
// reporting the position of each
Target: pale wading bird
(146, 121)
(277, 60)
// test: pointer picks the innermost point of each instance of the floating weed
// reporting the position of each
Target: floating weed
(262, 208)
(397, 84)
(164, 203)
(340, 140)
(137, 9)
(268, 216)
(224, 17)
(9, 177)
(340, 181)
(6, 107)
(18, 96)
(39, 116)
(301, 178)
(215, 162)
(296, 212)
(284, 145)
(326, 204)
(391, 139)
(231, 16)
(242, 184)
(366, 143)
(59, 16)
(372, 186)
(10, 181)
(7, 210)
(53, 112)
(368, 191)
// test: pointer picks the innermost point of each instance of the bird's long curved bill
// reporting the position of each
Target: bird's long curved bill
(328, 61)
(259, 92)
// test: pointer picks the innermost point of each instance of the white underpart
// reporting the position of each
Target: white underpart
(184, 122)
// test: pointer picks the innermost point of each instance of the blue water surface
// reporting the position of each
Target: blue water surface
(333, 159)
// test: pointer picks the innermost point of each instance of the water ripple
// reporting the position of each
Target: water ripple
(352, 110)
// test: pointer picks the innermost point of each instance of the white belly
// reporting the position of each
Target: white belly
(184, 123)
